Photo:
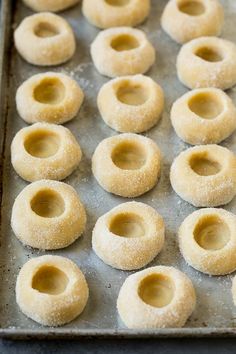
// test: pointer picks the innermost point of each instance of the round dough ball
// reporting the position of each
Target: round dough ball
(122, 51)
(157, 297)
(49, 97)
(128, 165)
(129, 236)
(205, 175)
(204, 116)
(207, 62)
(51, 290)
(48, 215)
(184, 20)
(45, 151)
(115, 13)
(207, 240)
(40, 38)
(131, 104)
(49, 5)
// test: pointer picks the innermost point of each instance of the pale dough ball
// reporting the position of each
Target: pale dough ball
(131, 104)
(205, 175)
(157, 297)
(207, 240)
(48, 215)
(45, 39)
(128, 165)
(49, 97)
(45, 151)
(184, 20)
(207, 62)
(49, 5)
(129, 236)
(204, 116)
(122, 51)
(115, 13)
(51, 290)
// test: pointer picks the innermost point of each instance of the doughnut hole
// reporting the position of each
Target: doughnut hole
(42, 144)
(46, 30)
(117, 2)
(128, 225)
(211, 233)
(132, 94)
(124, 42)
(47, 204)
(191, 8)
(50, 280)
(129, 155)
(49, 91)
(211, 55)
(203, 165)
(156, 290)
(206, 105)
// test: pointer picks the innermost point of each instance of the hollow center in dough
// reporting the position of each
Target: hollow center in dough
(117, 2)
(48, 204)
(42, 144)
(156, 290)
(45, 30)
(127, 225)
(192, 8)
(206, 105)
(204, 166)
(50, 280)
(124, 42)
(211, 233)
(132, 94)
(129, 156)
(49, 91)
(209, 54)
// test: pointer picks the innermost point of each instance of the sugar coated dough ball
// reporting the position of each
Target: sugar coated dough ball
(45, 151)
(207, 62)
(128, 165)
(115, 13)
(184, 20)
(49, 5)
(51, 290)
(205, 175)
(131, 104)
(48, 215)
(40, 38)
(122, 51)
(207, 240)
(129, 236)
(204, 116)
(157, 297)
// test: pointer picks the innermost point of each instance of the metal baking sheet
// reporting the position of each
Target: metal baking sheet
(215, 313)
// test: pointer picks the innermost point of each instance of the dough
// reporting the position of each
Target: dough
(122, 51)
(49, 97)
(205, 175)
(207, 240)
(157, 297)
(49, 5)
(40, 38)
(184, 20)
(131, 103)
(128, 165)
(115, 13)
(129, 236)
(204, 116)
(45, 151)
(48, 215)
(51, 290)
(207, 62)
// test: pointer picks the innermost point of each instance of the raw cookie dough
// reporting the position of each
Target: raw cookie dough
(131, 104)
(49, 5)
(129, 236)
(40, 38)
(128, 165)
(157, 297)
(205, 175)
(48, 215)
(51, 290)
(45, 151)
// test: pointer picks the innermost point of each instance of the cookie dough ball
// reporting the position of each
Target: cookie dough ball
(49, 97)
(45, 151)
(48, 215)
(128, 165)
(157, 297)
(115, 13)
(184, 20)
(129, 236)
(131, 104)
(207, 62)
(204, 116)
(49, 5)
(51, 290)
(40, 39)
(205, 176)
(122, 51)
